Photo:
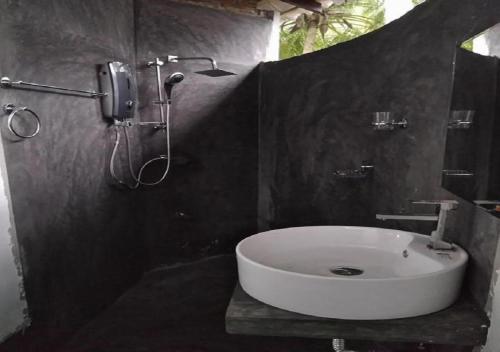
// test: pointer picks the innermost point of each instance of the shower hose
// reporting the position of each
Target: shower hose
(138, 178)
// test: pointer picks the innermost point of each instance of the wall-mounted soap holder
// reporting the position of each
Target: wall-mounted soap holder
(385, 121)
(461, 119)
(364, 171)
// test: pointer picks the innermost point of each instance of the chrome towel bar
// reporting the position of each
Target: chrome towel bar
(6, 82)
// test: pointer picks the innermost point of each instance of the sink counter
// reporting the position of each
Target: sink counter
(462, 324)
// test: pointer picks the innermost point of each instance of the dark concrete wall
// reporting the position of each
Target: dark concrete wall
(494, 162)
(208, 202)
(84, 240)
(315, 118)
(79, 236)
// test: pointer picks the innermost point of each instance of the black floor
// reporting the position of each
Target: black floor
(182, 309)
(179, 309)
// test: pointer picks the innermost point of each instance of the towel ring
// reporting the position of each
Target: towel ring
(12, 110)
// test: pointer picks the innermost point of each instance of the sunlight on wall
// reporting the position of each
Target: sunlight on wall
(488, 42)
(273, 49)
(12, 304)
(480, 45)
(394, 9)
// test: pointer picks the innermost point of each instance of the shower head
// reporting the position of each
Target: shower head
(215, 73)
(174, 78)
(170, 81)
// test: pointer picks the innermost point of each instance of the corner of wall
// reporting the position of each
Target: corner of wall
(13, 304)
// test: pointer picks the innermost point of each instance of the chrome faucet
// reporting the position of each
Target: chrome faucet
(445, 206)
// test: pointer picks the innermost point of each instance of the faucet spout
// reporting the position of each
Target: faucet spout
(384, 217)
(437, 235)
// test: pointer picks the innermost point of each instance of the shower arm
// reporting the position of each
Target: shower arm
(172, 58)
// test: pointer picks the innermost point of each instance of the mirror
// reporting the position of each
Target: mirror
(472, 157)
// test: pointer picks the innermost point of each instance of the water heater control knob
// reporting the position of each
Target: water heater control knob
(129, 104)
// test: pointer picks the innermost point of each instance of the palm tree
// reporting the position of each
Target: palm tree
(337, 23)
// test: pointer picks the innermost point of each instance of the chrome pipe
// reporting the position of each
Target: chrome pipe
(173, 58)
(338, 345)
(159, 89)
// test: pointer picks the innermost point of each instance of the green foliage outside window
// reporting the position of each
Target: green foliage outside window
(468, 45)
(338, 23)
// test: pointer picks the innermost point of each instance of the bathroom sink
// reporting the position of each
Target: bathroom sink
(357, 273)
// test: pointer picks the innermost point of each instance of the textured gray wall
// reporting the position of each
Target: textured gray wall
(315, 118)
(82, 239)
(79, 238)
(213, 180)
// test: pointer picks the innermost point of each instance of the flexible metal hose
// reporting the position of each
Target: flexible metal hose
(138, 178)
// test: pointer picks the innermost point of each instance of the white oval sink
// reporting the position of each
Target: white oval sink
(357, 273)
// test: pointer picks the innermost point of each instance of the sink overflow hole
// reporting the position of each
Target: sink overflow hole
(346, 271)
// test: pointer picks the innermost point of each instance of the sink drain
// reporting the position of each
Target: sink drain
(346, 271)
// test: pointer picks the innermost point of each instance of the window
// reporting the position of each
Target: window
(342, 20)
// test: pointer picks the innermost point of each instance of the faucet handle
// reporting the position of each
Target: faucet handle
(444, 204)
